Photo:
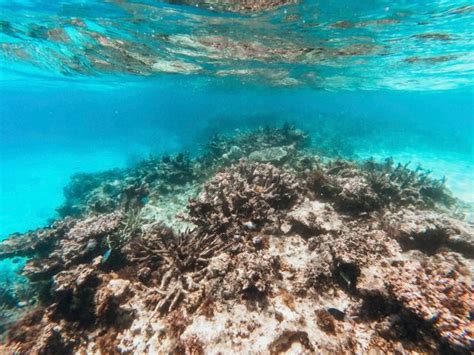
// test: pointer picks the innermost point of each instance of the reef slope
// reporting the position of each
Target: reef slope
(258, 245)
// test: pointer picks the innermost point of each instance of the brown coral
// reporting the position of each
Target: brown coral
(293, 255)
(244, 197)
(434, 294)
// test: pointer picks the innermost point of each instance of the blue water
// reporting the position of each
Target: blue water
(49, 134)
(92, 85)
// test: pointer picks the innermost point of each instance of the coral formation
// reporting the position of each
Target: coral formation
(244, 197)
(265, 248)
(370, 186)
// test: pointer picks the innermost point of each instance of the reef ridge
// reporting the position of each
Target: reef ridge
(258, 245)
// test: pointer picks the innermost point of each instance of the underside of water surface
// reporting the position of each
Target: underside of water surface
(225, 176)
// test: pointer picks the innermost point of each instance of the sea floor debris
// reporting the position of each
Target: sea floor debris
(266, 247)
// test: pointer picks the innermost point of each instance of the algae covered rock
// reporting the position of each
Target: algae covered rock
(312, 218)
(270, 155)
(430, 231)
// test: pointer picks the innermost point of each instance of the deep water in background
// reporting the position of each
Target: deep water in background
(49, 133)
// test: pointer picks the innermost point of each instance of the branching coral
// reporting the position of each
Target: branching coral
(277, 145)
(169, 170)
(244, 197)
(287, 251)
(371, 186)
(401, 186)
(177, 261)
(126, 189)
(91, 191)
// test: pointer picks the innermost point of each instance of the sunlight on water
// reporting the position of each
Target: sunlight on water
(381, 44)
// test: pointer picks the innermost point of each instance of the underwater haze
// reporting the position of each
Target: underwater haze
(91, 86)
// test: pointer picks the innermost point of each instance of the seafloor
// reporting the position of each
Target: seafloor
(259, 245)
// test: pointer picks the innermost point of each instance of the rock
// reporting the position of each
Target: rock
(312, 218)
(433, 294)
(269, 155)
(257, 242)
(109, 298)
(429, 231)
(233, 154)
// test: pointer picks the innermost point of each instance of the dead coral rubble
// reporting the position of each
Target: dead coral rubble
(244, 197)
(294, 254)
(371, 186)
(160, 176)
(280, 146)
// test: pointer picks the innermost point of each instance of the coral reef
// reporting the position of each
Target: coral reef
(244, 197)
(264, 248)
(370, 186)
(279, 146)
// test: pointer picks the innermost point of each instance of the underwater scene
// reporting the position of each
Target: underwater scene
(236, 177)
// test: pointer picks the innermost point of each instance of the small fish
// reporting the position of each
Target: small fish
(336, 313)
(144, 200)
(91, 244)
(106, 256)
(346, 278)
(250, 225)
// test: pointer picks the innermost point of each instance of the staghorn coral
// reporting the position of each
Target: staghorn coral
(298, 254)
(178, 262)
(402, 186)
(371, 186)
(345, 185)
(154, 177)
(127, 189)
(83, 190)
(244, 197)
(166, 171)
(278, 145)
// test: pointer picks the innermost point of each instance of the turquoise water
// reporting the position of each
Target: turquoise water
(92, 85)
(50, 133)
